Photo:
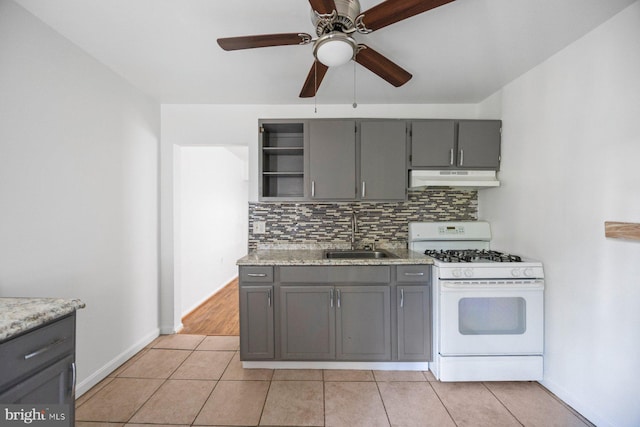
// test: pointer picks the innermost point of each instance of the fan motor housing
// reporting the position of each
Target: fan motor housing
(347, 11)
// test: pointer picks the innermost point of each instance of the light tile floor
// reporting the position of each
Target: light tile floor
(195, 380)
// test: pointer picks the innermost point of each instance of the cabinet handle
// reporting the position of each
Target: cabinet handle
(257, 274)
(451, 157)
(461, 157)
(45, 348)
(401, 298)
(414, 274)
(338, 291)
(331, 297)
(269, 297)
(73, 379)
(364, 189)
(313, 189)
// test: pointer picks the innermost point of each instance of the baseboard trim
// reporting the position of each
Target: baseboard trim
(93, 379)
(378, 366)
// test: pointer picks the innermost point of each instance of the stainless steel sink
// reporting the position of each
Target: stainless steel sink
(357, 254)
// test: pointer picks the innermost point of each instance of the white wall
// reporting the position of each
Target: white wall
(570, 156)
(78, 190)
(212, 194)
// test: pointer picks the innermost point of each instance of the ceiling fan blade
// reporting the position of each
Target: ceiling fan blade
(391, 11)
(323, 7)
(388, 70)
(314, 78)
(263, 40)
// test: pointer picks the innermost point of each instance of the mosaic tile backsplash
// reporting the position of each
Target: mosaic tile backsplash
(328, 225)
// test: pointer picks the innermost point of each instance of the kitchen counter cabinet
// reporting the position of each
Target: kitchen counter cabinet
(37, 352)
(340, 313)
(413, 296)
(256, 313)
(335, 312)
(307, 323)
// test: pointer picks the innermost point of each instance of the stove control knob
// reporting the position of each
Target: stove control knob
(515, 272)
(468, 272)
(528, 272)
(457, 272)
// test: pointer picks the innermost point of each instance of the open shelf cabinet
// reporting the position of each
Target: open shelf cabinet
(282, 160)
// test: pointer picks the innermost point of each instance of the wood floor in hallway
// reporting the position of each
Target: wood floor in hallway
(216, 316)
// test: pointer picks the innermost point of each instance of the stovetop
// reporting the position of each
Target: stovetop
(471, 255)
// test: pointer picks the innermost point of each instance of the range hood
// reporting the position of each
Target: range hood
(453, 178)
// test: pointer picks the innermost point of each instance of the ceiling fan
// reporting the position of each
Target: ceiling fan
(335, 22)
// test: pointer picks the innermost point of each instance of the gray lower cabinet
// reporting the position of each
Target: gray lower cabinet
(257, 340)
(341, 322)
(363, 326)
(357, 313)
(256, 322)
(307, 323)
(413, 303)
(414, 322)
(38, 367)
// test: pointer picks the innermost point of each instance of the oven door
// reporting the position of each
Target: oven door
(491, 317)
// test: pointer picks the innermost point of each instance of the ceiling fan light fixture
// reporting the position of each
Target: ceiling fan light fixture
(335, 49)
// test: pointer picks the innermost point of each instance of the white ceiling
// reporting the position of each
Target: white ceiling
(461, 52)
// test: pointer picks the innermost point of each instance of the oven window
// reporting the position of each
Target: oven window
(492, 316)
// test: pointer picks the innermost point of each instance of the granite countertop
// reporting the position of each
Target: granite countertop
(18, 315)
(316, 257)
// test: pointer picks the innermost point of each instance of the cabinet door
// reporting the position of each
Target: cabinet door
(307, 322)
(363, 327)
(414, 323)
(332, 159)
(52, 385)
(256, 322)
(433, 143)
(383, 167)
(479, 144)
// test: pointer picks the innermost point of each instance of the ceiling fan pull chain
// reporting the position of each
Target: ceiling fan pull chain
(315, 87)
(355, 104)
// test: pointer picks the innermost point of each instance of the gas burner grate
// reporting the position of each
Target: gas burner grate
(471, 255)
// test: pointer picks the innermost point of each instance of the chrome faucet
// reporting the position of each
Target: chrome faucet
(354, 229)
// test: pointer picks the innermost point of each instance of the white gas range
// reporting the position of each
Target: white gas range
(488, 305)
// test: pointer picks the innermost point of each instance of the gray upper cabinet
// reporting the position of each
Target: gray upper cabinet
(456, 144)
(433, 143)
(383, 160)
(281, 159)
(332, 159)
(479, 144)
